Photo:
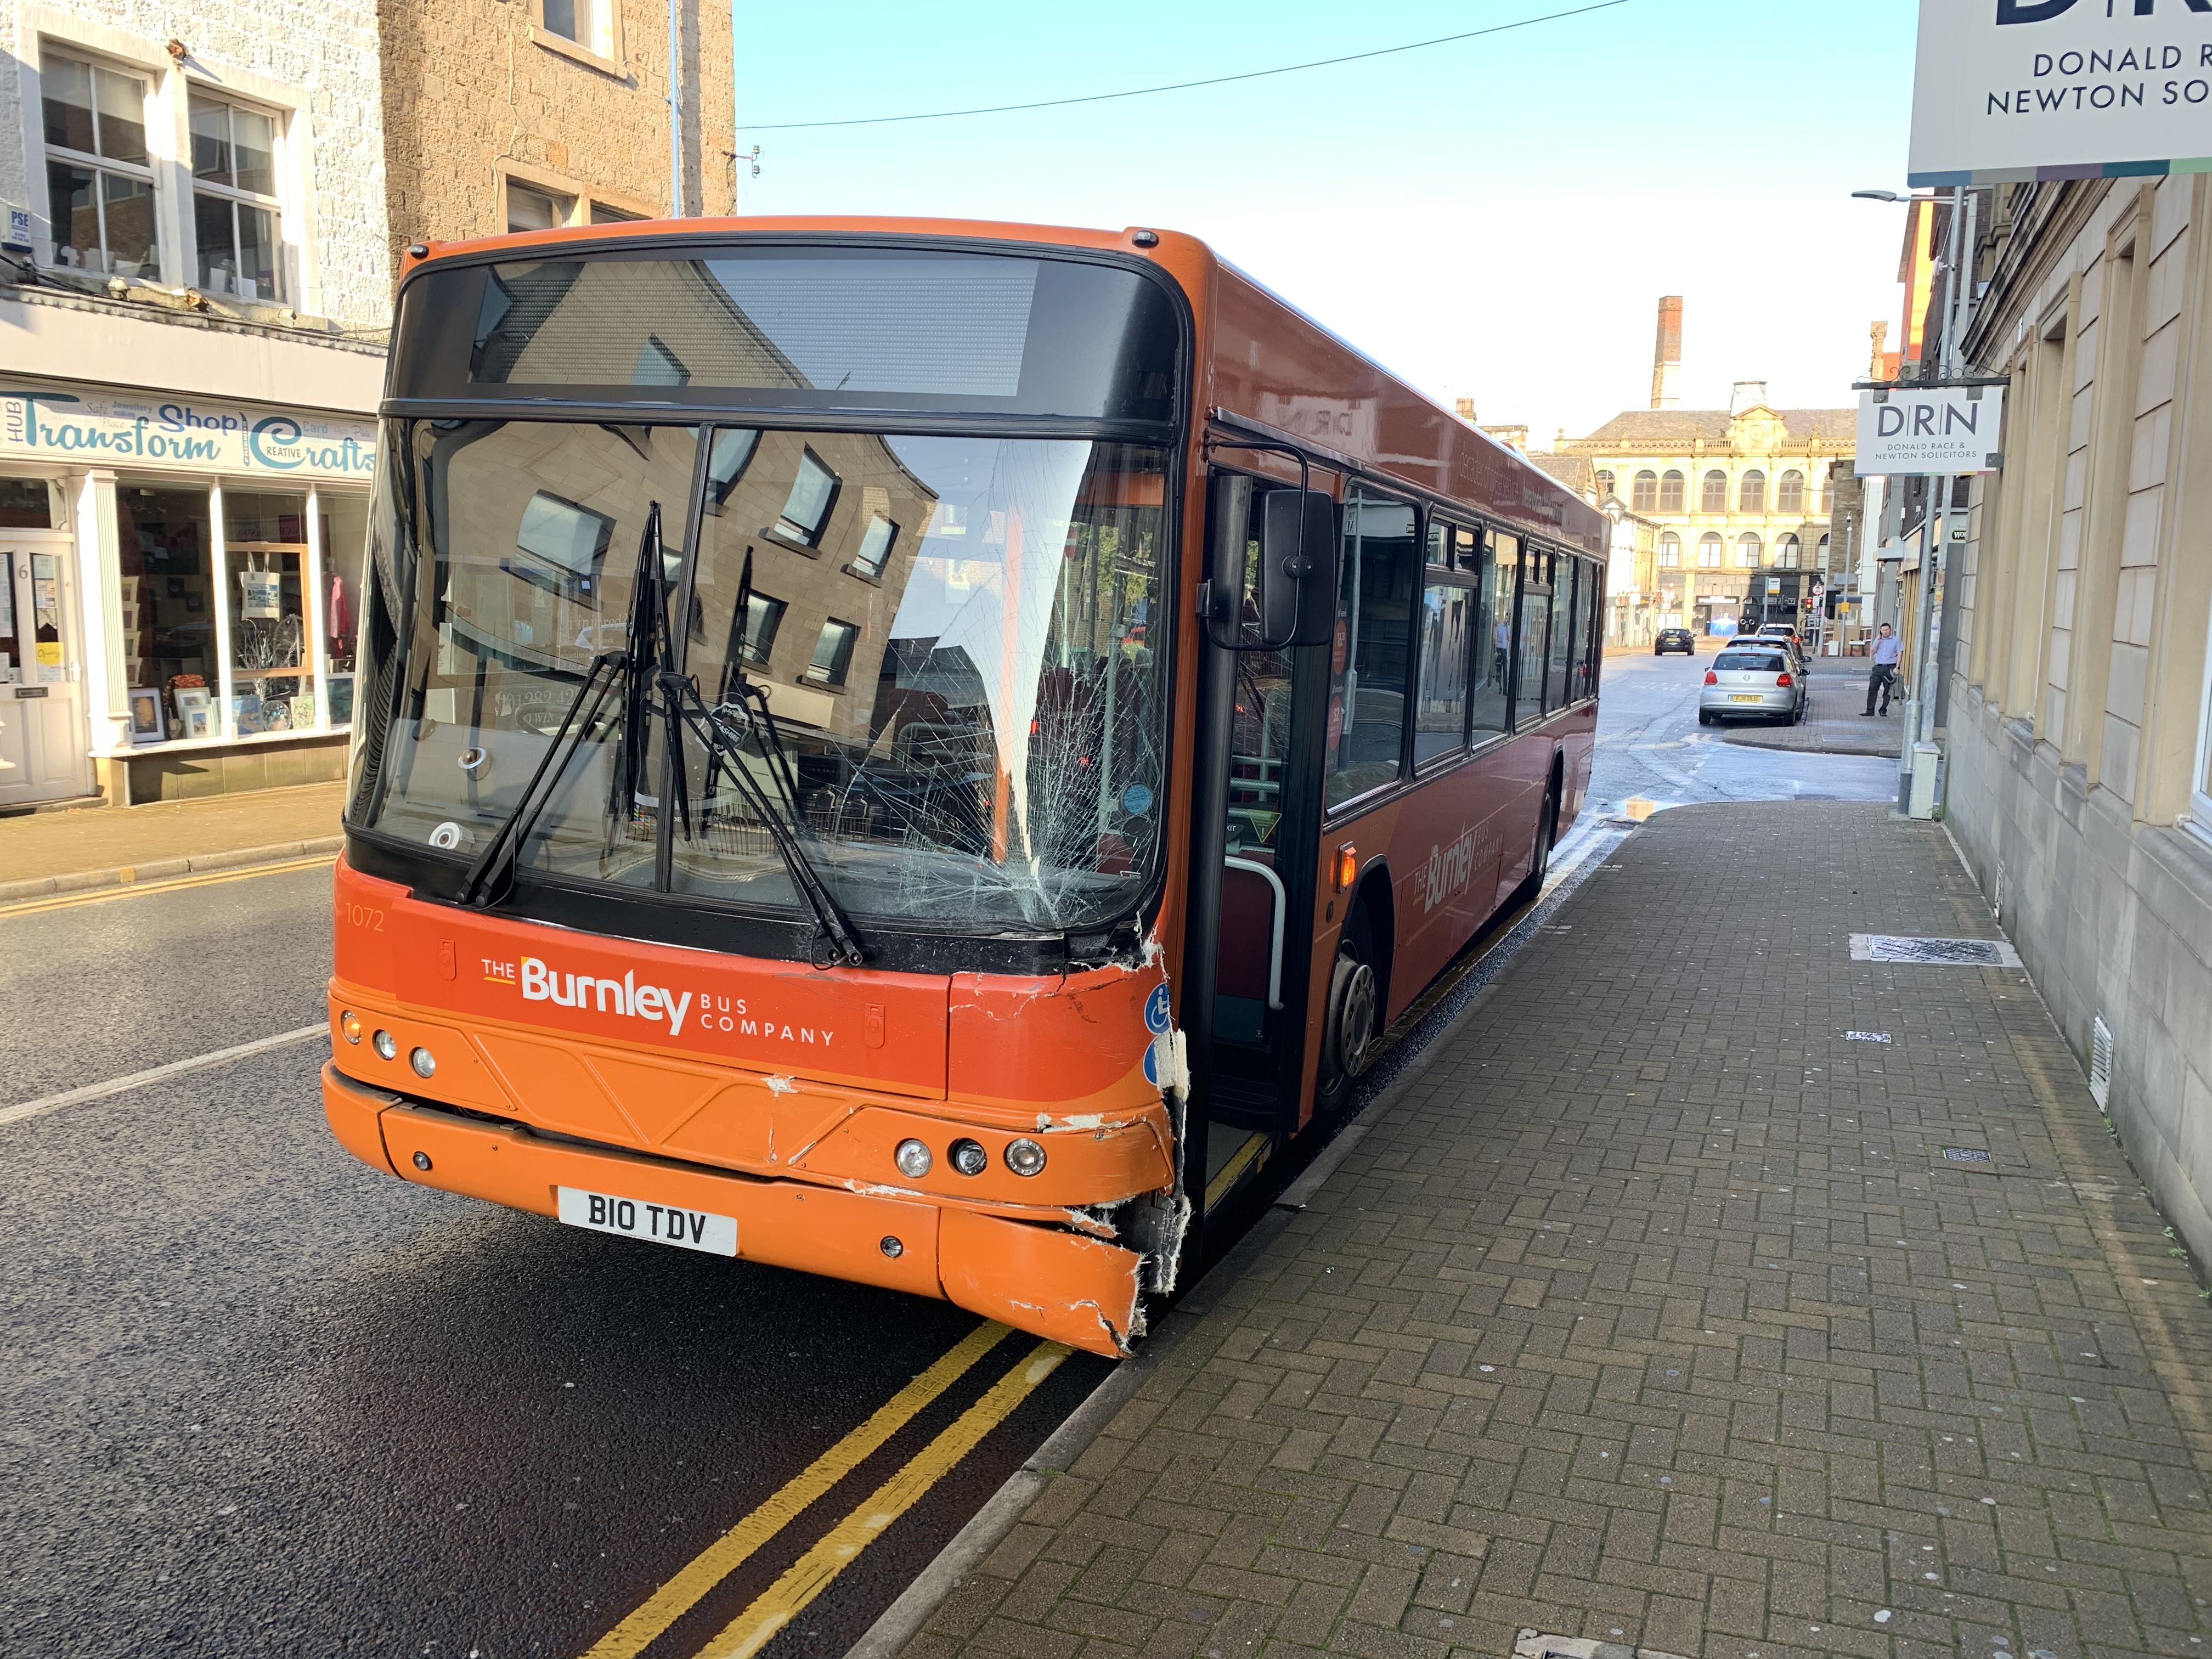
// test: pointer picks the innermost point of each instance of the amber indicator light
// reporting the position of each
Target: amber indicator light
(1347, 866)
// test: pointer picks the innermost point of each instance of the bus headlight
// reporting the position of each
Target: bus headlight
(969, 1158)
(1025, 1158)
(386, 1045)
(913, 1159)
(349, 1025)
(421, 1062)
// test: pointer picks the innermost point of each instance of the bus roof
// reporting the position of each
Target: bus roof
(1268, 370)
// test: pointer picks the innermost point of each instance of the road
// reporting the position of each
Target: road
(257, 1400)
(1651, 747)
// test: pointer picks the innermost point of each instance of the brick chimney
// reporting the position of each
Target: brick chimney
(1667, 357)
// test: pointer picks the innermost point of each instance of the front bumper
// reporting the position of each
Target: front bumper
(1045, 1280)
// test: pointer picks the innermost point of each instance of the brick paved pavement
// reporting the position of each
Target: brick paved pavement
(1650, 1311)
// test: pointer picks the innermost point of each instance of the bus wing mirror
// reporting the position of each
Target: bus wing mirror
(1296, 586)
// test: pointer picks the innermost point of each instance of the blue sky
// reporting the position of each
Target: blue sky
(1495, 219)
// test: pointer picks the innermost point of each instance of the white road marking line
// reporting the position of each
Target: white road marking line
(157, 1074)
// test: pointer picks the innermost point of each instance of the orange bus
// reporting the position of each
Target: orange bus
(923, 752)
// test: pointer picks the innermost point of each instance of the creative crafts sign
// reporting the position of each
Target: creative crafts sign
(2007, 90)
(99, 428)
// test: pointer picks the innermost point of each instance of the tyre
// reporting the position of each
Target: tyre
(1706, 717)
(1353, 1019)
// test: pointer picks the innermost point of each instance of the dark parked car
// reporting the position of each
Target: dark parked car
(1674, 639)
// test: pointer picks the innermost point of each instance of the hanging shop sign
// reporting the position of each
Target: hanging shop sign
(2007, 91)
(90, 427)
(1937, 430)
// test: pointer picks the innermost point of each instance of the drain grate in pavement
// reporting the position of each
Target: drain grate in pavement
(1967, 1155)
(1933, 952)
(1533, 1645)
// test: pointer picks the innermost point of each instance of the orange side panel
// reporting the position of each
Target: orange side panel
(812, 1228)
(1074, 1289)
(1066, 1048)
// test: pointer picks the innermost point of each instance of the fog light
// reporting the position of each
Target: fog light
(891, 1247)
(386, 1046)
(1025, 1158)
(350, 1024)
(423, 1161)
(422, 1063)
(913, 1159)
(968, 1158)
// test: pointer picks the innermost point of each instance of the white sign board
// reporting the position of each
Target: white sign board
(1947, 429)
(2016, 89)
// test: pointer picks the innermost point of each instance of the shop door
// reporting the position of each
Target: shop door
(42, 735)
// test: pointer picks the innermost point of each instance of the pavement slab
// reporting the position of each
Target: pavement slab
(79, 840)
(1649, 1314)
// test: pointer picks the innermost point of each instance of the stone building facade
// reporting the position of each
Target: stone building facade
(1733, 492)
(2078, 637)
(522, 114)
(193, 288)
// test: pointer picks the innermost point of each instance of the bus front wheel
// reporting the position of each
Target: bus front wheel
(1355, 995)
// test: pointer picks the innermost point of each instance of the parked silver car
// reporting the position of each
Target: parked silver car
(1753, 679)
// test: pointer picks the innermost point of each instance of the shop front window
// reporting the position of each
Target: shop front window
(345, 550)
(165, 558)
(272, 659)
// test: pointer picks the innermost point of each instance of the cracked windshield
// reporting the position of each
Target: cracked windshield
(951, 637)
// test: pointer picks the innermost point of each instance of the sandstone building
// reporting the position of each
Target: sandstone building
(506, 115)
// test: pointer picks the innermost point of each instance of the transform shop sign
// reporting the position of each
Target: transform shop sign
(2007, 91)
(1944, 430)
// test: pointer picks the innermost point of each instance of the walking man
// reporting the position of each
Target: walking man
(1887, 648)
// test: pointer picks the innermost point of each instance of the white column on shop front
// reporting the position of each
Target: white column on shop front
(100, 617)
(219, 574)
(313, 580)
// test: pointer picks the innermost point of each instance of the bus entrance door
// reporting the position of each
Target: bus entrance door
(1261, 790)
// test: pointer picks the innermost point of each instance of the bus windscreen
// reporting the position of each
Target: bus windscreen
(797, 327)
(956, 636)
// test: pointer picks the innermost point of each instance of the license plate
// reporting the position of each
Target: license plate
(656, 1224)
(1745, 696)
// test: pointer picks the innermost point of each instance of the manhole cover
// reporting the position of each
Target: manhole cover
(1533, 1645)
(1935, 952)
(1966, 1155)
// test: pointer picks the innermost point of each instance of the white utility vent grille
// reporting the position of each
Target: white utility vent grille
(1996, 893)
(2101, 1063)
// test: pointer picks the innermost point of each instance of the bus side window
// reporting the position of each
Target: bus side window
(1559, 683)
(1593, 632)
(1369, 657)
(1448, 631)
(1495, 557)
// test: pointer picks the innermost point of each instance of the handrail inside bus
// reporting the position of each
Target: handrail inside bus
(1275, 947)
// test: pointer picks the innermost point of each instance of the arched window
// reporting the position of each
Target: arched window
(1716, 497)
(1789, 493)
(1827, 494)
(1709, 551)
(1824, 552)
(1604, 485)
(1787, 553)
(1645, 498)
(1670, 493)
(1752, 497)
(1746, 552)
(1670, 549)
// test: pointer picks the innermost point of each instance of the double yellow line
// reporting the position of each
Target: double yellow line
(133, 889)
(811, 1574)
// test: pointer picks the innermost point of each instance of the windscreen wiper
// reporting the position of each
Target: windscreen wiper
(722, 734)
(492, 876)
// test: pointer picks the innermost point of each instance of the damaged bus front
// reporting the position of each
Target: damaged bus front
(757, 822)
